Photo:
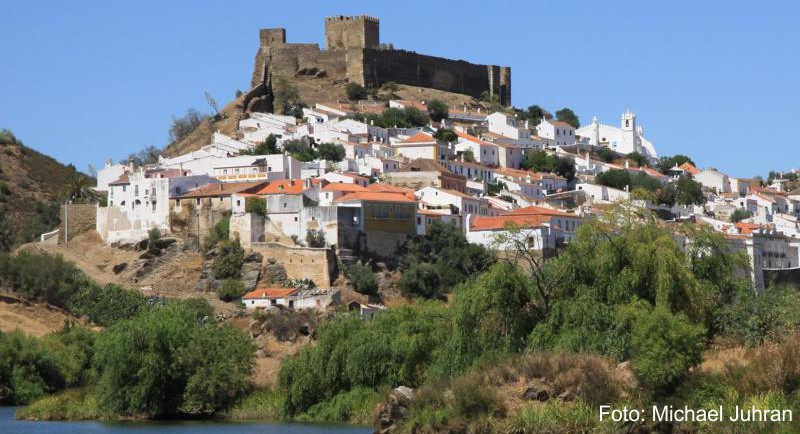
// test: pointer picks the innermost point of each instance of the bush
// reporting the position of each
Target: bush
(355, 92)
(229, 261)
(183, 126)
(331, 152)
(421, 280)
(27, 369)
(437, 110)
(255, 205)
(664, 346)
(393, 348)
(165, 362)
(231, 289)
(315, 238)
(218, 233)
(363, 279)
(740, 214)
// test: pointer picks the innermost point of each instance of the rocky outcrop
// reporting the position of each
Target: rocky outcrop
(250, 272)
(387, 415)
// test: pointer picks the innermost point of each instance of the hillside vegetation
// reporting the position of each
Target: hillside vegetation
(31, 186)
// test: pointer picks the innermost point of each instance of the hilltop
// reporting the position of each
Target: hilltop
(310, 91)
(31, 186)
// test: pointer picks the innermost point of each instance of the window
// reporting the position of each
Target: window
(135, 190)
(124, 188)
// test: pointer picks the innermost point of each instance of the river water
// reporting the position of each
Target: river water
(10, 426)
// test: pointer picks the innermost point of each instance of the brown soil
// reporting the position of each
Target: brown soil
(36, 319)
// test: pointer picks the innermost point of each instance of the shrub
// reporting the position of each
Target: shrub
(183, 126)
(255, 205)
(437, 110)
(229, 261)
(740, 214)
(230, 290)
(355, 92)
(664, 346)
(363, 279)
(166, 362)
(421, 280)
(315, 238)
(27, 369)
(331, 152)
(471, 398)
(218, 233)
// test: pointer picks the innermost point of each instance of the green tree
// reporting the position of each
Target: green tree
(268, 147)
(664, 346)
(363, 279)
(355, 92)
(445, 135)
(468, 156)
(80, 188)
(315, 238)
(535, 114)
(300, 149)
(740, 214)
(27, 369)
(568, 116)
(689, 192)
(229, 261)
(255, 205)
(331, 152)
(437, 110)
(167, 362)
(492, 315)
(606, 155)
(183, 126)
(666, 163)
(637, 158)
(230, 290)
(422, 280)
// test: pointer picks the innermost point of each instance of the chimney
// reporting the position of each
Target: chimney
(627, 164)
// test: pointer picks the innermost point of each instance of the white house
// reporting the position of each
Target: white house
(714, 180)
(508, 126)
(139, 201)
(558, 132)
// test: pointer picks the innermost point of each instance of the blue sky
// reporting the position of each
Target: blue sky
(88, 80)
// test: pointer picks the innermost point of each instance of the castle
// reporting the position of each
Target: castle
(353, 54)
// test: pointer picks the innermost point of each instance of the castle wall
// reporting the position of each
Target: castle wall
(352, 53)
(414, 69)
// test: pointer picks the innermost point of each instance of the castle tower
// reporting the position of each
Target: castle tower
(352, 32)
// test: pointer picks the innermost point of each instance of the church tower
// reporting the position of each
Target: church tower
(628, 126)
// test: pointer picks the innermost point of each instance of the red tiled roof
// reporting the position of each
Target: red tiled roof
(746, 228)
(341, 186)
(420, 138)
(388, 188)
(270, 293)
(480, 223)
(689, 167)
(282, 186)
(369, 196)
(538, 210)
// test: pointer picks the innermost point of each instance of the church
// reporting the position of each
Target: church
(626, 138)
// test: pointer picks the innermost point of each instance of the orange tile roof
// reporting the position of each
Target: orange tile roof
(471, 138)
(341, 186)
(388, 188)
(282, 186)
(420, 138)
(480, 223)
(746, 228)
(222, 189)
(538, 210)
(689, 167)
(370, 196)
(270, 293)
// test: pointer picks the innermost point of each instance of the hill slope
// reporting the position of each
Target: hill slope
(31, 185)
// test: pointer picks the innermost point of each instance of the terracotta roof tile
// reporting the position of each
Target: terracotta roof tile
(504, 221)
(270, 293)
(370, 196)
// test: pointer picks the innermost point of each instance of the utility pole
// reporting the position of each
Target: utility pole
(66, 221)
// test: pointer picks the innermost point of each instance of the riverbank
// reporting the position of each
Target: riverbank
(10, 425)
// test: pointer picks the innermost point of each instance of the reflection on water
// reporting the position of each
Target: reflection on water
(10, 426)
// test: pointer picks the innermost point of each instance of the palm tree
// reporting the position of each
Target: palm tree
(80, 188)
